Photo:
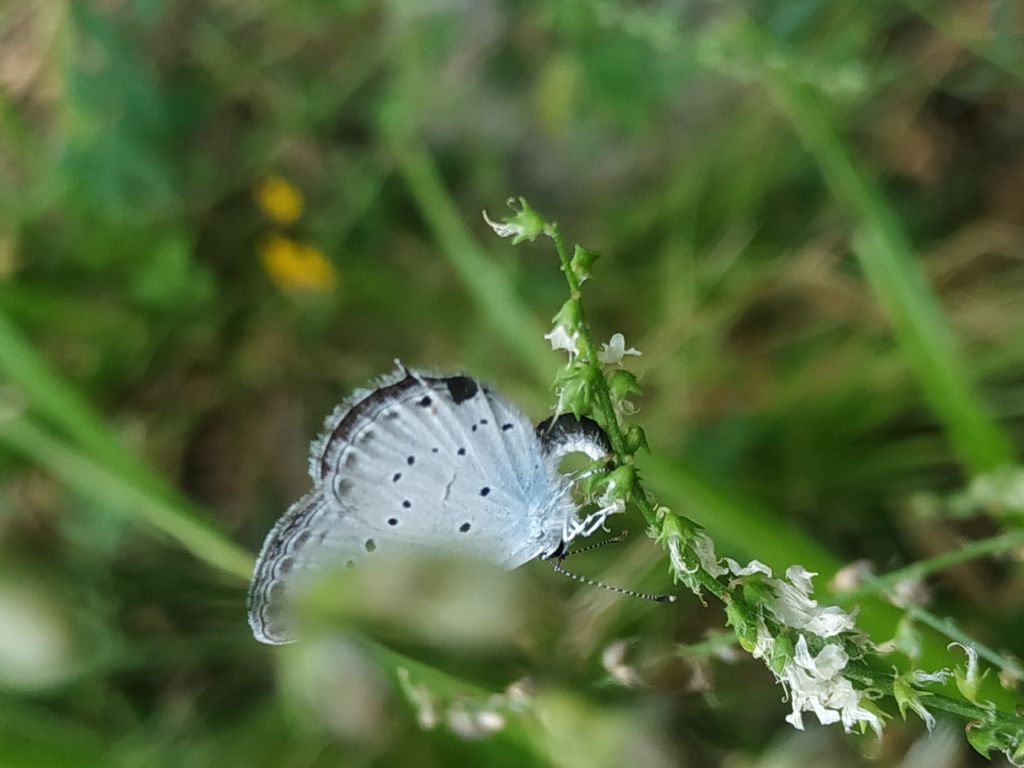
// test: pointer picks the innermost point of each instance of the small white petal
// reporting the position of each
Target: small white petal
(922, 712)
(972, 661)
(705, 549)
(801, 578)
(851, 576)
(794, 607)
(614, 350)
(795, 719)
(920, 677)
(560, 338)
(754, 566)
(675, 555)
(502, 228)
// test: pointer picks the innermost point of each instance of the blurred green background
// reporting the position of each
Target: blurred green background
(218, 218)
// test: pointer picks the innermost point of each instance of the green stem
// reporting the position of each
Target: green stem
(610, 420)
(111, 487)
(972, 551)
(589, 353)
(603, 408)
(948, 629)
(898, 282)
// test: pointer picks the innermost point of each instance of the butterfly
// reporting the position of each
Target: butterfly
(424, 462)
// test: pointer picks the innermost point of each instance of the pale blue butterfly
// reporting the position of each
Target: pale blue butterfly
(424, 462)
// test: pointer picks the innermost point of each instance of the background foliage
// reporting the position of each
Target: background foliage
(811, 225)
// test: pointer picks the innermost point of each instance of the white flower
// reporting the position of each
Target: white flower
(474, 725)
(922, 711)
(428, 714)
(611, 504)
(613, 659)
(851, 576)
(794, 607)
(920, 677)
(675, 555)
(614, 350)
(503, 228)
(765, 642)
(816, 684)
(703, 547)
(560, 338)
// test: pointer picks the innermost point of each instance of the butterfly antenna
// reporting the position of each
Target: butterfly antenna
(597, 545)
(557, 563)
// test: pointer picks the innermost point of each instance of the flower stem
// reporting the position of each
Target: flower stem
(605, 410)
(589, 352)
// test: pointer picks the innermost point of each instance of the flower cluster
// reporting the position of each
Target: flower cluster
(787, 621)
(815, 651)
(293, 264)
(815, 682)
(470, 718)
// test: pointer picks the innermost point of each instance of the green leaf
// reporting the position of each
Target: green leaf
(983, 738)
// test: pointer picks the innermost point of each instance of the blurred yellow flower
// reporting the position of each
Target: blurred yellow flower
(297, 266)
(280, 201)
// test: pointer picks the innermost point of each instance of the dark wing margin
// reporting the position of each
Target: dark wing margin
(564, 434)
(282, 553)
(366, 403)
(347, 416)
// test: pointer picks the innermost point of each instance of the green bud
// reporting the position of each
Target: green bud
(568, 316)
(527, 220)
(636, 439)
(756, 592)
(581, 262)
(745, 633)
(903, 692)
(1018, 753)
(524, 223)
(592, 485)
(782, 652)
(575, 387)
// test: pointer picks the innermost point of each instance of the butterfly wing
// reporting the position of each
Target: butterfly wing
(419, 463)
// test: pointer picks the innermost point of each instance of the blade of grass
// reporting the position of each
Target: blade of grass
(484, 281)
(897, 281)
(1002, 49)
(1004, 542)
(105, 461)
(185, 524)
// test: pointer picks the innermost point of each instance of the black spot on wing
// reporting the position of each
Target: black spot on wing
(461, 388)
